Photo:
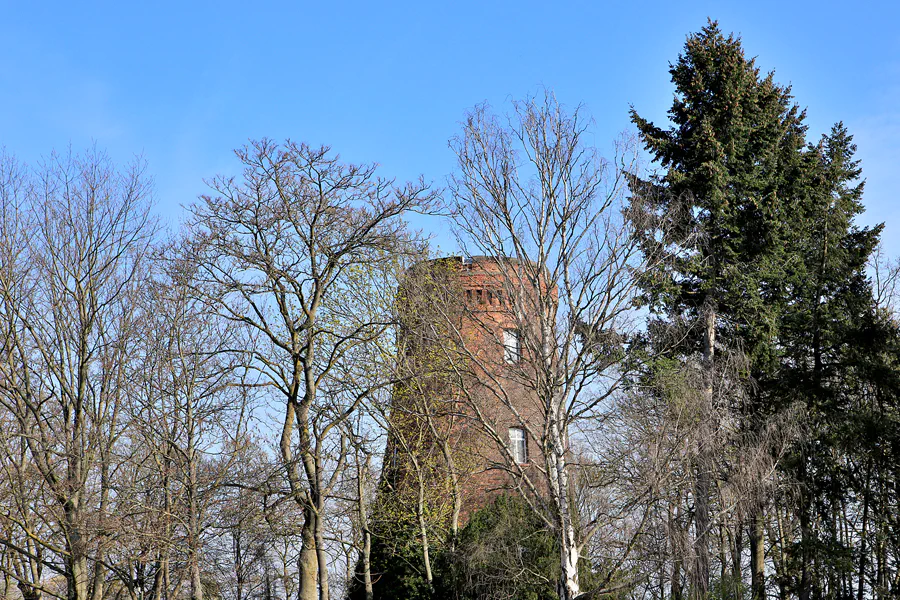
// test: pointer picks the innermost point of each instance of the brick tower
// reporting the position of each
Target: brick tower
(471, 409)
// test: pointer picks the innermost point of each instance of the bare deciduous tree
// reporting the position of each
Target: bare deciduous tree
(532, 196)
(188, 413)
(886, 281)
(302, 251)
(71, 270)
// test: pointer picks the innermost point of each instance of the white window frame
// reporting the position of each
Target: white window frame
(512, 346)
(518, 445)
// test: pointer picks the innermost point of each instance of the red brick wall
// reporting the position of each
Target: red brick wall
(482, 288)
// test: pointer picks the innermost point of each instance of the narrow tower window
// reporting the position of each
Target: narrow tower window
(517, 445)
(512, 347)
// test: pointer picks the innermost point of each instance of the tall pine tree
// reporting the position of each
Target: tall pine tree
(832, 341)
(766, 257)
(733, 163)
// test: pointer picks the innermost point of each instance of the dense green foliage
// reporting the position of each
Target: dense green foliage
(727, 200)
(840, 365)
(504, 551)
(764, 249)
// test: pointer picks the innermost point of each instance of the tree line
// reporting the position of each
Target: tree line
(712, 342)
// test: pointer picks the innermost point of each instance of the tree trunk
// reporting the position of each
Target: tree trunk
(569, 586)
(456, 496)
(702, 480)
(701, 532)
(805, 541)
(862, 542)
(76, 562)
(737, 550)
(423, 528)
(367, 565)
(723, 554)
(676, 579)
(196, 583)
(307, 563)
(28, 592)
(97, 587)
(77, 578)
(237, 545)
(321, 556)
(757, 555)
(157, 591)
(675, 540)
(363, 516)
(194, 526)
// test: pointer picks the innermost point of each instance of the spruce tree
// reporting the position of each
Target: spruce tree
(726, 201)
(831, 339)
(766, 257)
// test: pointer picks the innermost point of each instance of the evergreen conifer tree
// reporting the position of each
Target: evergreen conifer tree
(831, 339)
(733, 163)
(766, 257)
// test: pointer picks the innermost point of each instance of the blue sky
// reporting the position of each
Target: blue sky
(184, 83)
